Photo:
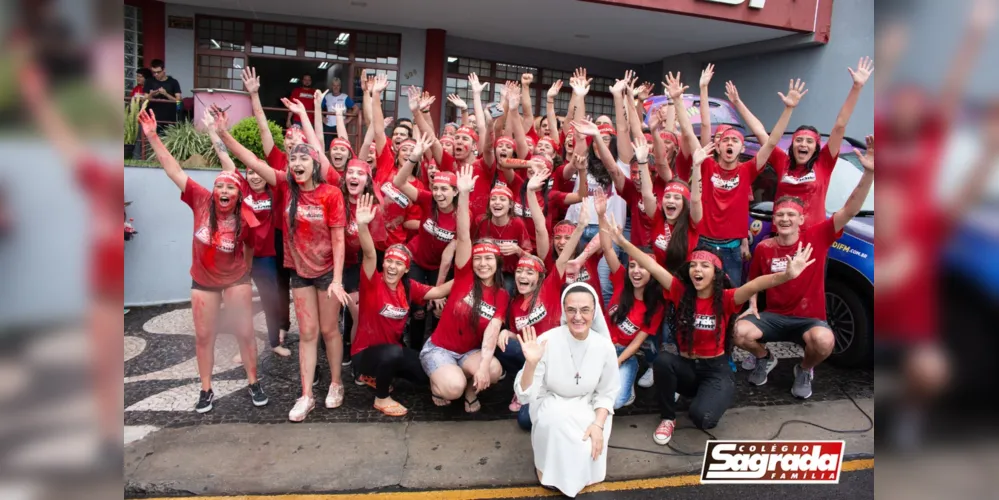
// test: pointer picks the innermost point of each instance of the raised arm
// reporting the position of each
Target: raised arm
(485, 148)
(537, 213)
(795, 91)
(860, 76)
(855, 202)
(618, 91)
(580, 87)
(634, 112)
(674, 89)
(802, 259)
(752, 122)
(587, 128)
(148, 123)
(401, 179)
(519, 135)
(648, 197)
(562, 262)
(705, 81)
(245, 155)
(659, 273)
(463, 249)
(53, 125)
(366, 208)
(525, 100)
(295, 106)
(696, 206)
(439, 292)
(377, 115)
(251, 82)
(220, 150)
(550, 110)
(341, 121)
(982, 17)
(600, 204)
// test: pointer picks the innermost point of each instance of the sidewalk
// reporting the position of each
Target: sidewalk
(232, 459)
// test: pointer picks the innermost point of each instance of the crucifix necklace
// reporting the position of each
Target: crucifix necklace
(575, 365)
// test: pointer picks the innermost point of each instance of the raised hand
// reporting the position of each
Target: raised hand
(339, 109)
(619, 86)
(317, 98)
(538, 180)
(512, 95)
(365, 209)
(731, 92)
(581, 85)
(641, 148)
(600, 202)
(251, 82)
(466, 179)
(795, 91)
(413, 96)
(703, 153)
(655, 119)
(221, 119)
(533, 351)
(613, 231)
(458, 102)
(586, 127)
(381, 83)
(387, 121)
(863, 72)
(423, 143)
(674, 89)
(427, 100)
(580, 161)
(526, 79)
(473, 80)
(867, 159)
(554, 89)
(148, 123)
(208, 119)
(584, 215)
(293, 105)
(645, 89)
(802, 259)
(707, 74)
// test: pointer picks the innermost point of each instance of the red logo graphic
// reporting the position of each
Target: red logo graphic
(738, 461)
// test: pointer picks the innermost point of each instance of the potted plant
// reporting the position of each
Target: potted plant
(132, 110)
(189, 146)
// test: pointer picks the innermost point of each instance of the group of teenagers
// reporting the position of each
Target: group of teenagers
(494, 248)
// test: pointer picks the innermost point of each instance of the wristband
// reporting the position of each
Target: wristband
(646, 162)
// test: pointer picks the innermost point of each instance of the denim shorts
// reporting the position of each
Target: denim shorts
(433, 357)
(780, 328)
(321, 282)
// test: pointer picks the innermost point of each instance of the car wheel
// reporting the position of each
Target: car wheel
(850, 321)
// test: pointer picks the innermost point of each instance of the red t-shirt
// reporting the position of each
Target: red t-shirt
(547, 312)
(434, 236)
(662, 233)
(513, 232)
(398, 208)
(307, 98)
(319, 210)
(217, 259)
(479, 197)
(554, 206)
(804, 296)
(642, 231)
(278, 160)
(726, 199)
(352, 240)
(624, 332)
(136, 90)
(558, 183)
(810, 186)
(385, 169)
(104, 187)
(589, 273)
(382, 312)
(683, 167)
(455, 331)
(910, 311)
(263, 235)
(705, 321)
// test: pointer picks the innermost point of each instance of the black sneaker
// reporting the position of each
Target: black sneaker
(205, 401)
(345, 362)
(257, 395)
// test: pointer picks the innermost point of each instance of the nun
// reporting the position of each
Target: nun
(570, 380)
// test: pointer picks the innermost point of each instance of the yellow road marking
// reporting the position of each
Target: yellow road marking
(518, 492)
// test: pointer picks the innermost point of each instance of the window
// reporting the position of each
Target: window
(327, 44)
(133, 44)
(377, 48)
(220, 72)
(275, 39)
(221, 34)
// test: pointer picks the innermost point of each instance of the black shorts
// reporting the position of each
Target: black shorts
(351, 278)
(321, 283)
(780, 328)
(245, 280)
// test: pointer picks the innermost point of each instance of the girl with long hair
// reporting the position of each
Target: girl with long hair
(221, 251)
(458, 357)
(383, 305)
(706, 308)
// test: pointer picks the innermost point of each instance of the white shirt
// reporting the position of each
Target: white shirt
(331, 102)
(616, 205)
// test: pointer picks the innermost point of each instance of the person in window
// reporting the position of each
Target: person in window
(304, 94)
(164, 92)
(330, 102)
(142, 75)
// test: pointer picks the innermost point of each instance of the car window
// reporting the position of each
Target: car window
(844, 178)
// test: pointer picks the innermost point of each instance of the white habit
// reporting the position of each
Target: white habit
(564, 405)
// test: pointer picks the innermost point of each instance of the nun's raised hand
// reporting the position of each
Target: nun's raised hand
(529, 345)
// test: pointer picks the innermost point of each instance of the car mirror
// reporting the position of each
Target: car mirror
(763, 210)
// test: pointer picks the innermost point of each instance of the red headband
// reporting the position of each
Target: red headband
(233, 177)
(550, 141)
(446, 178)
(394, 252)
(245, 209)
(448, 139)
(606, 129)
(806, 133)
(309, 150)
(469, 132)
(564, 228)
(294, 130)
(354, 162)
(669, 136)
(722, 129)
(486, 248)
(530, 141)
(676, 187)
(648, 138)
(502, 139)
(501, 190)
(407, 141)
(342, 142)
(733, 131)
(707, 256)
(531, 262)
(790, 203)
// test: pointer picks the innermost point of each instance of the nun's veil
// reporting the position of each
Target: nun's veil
(599, 323)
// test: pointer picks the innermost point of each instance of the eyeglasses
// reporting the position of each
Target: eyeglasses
(571, 312)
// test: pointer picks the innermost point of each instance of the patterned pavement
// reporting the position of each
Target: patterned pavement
(161, 382)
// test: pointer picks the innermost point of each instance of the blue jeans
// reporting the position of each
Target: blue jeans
(606, 287)
(524, 418)
(512, 359)
(629, 372)
(731, 257)
(265, 275)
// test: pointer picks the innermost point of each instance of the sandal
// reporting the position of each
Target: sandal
(393, 410)
(440, 401)
(470, 404)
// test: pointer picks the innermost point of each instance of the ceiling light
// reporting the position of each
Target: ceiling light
(216, 44)
(342, 39)
(324, 65)
(582, 35)
(452, 59)
(293, 80)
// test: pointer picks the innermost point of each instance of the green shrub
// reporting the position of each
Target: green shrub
(246, 133)
(183, 141)
(132, 111)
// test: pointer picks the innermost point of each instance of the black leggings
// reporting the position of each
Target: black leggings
(708, 381)
(385, 362)
(421, 328)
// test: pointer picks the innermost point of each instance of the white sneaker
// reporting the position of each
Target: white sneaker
(302, 407)
(631, 399)
(334, 398)
(646, 380)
